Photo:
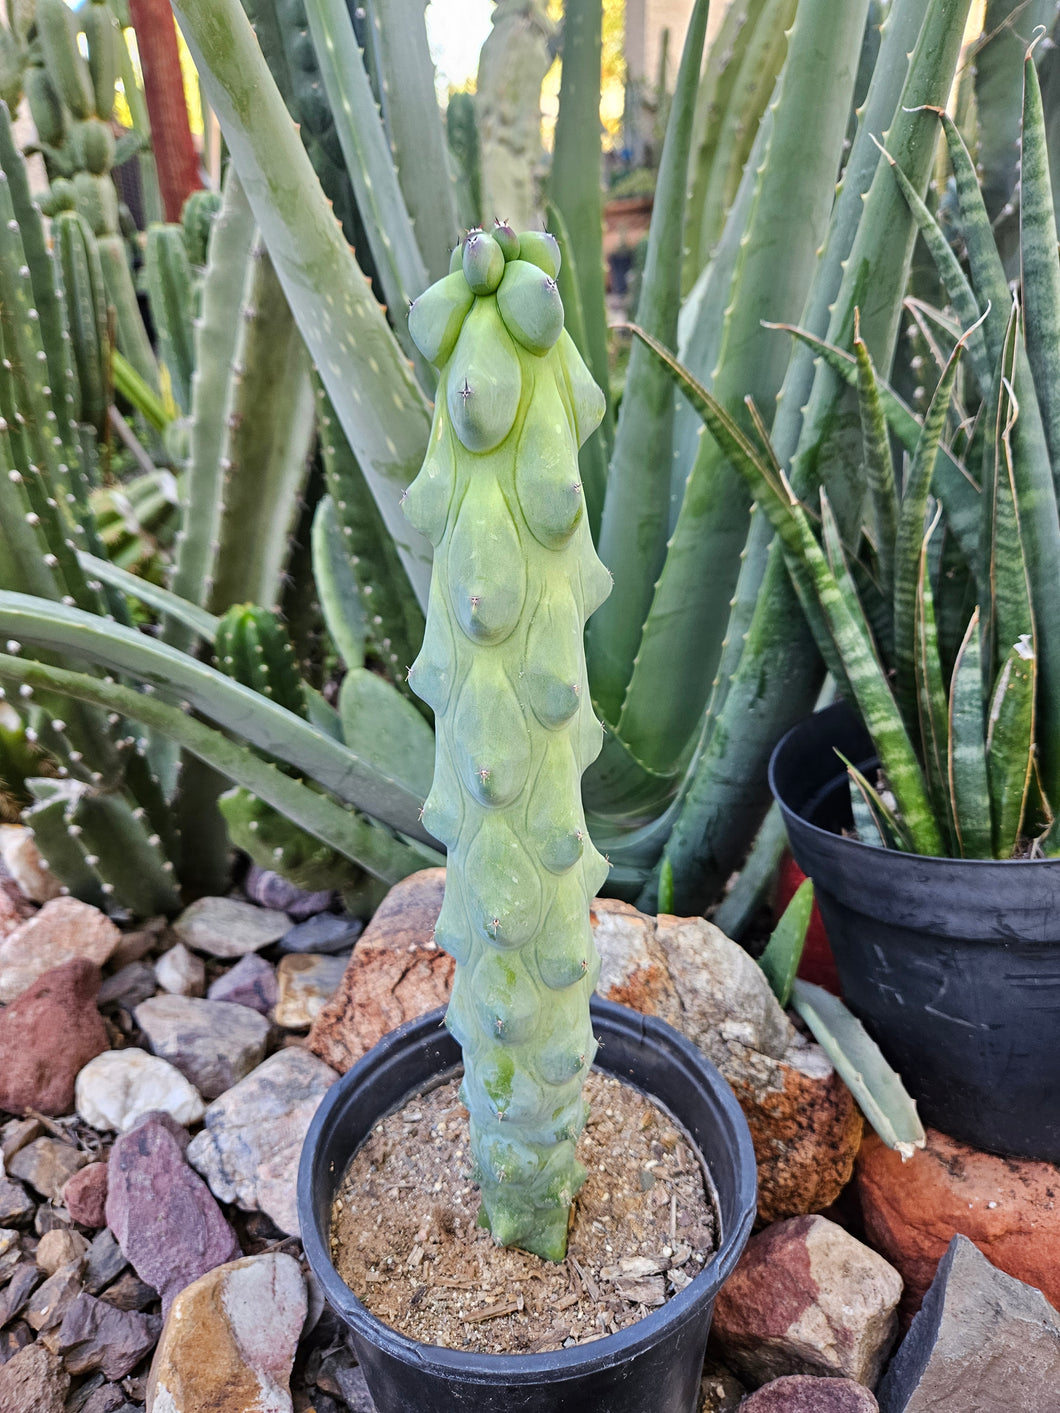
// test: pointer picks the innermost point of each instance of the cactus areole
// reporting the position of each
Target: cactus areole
(515, 577)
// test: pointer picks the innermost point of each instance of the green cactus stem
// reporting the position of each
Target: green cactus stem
(515, 576)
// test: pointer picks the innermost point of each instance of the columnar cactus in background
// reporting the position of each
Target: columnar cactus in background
(515, 577)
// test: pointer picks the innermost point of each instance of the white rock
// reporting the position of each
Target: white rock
(251, 1141)
(181, 972)
(118, 1087)
(229, 928)
(212, 1043)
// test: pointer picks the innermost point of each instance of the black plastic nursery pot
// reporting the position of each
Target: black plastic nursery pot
(952, 965)
(653, 1366)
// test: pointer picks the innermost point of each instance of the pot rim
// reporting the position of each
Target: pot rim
(899, 857)
(601, 1353)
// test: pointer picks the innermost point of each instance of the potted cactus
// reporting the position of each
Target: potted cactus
(925, 807)
(502, 665)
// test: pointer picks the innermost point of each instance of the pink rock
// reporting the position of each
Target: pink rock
(170, 1229)
(807, 1298)
(47, 1035)
(801, 1393)
(85, 1195)
(63, 929)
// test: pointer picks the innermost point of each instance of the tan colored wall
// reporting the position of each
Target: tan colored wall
(645, 22)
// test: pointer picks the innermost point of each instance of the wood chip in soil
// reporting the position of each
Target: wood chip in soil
(405, 1240)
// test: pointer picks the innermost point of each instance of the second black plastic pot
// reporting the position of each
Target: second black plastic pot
(653, 1366)
(953, 965)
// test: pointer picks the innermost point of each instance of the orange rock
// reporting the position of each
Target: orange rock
(1009, 1207)
(397, 972)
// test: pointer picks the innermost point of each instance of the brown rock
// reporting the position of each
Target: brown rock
(85, 1195)
(230, 1338)
(807, 1298)
(1009, 1207)
(13, 1338)
(47, 1035)
(14, 908)
(34, 1379)
(21, 1284)
(804, 1122)
(49, 1302)
(63, 929)
(46, 1164)
(58, 1248)
(800, 1393)
(97, 1335)
(397, 972)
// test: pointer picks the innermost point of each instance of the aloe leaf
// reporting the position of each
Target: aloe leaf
(880, 1093)
(1040, 266)
(234, 707)
(1010, 744)
(793, 199)
(783, 951)
(414, 128)
(910, 537)
(969, 786)
(362, 365)
(634, 524)
(757, 874)
(395, 254)
(371, 845)
(576, 158)
(137, 391)
(167, 605)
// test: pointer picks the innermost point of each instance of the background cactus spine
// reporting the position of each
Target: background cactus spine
(502, 665)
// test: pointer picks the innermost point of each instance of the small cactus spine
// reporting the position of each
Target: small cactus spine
(502, 665)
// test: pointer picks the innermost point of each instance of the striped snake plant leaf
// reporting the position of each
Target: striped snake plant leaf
(1010, 744)
(910, 537)
(933, 718)
(954, 280)
(783, 952)
(1010, 612)
(867, 827)
(1038, 258)
(880, 819)
(372, 845)
(969, 787)
(879, 464)
(953, 484)
(846, 622)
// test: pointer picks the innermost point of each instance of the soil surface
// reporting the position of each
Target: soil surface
(405, 1239)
